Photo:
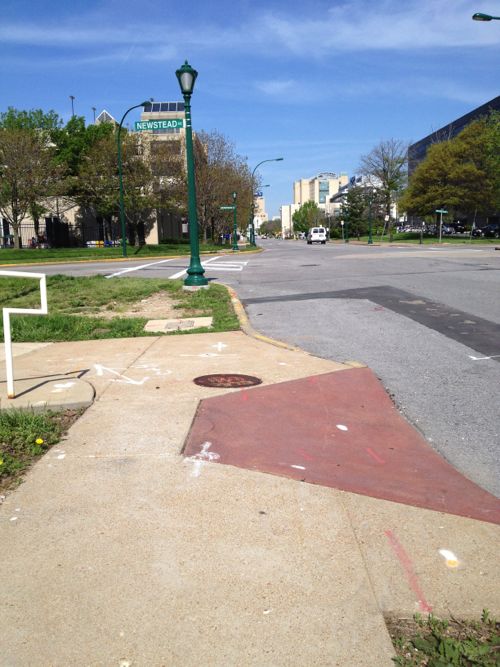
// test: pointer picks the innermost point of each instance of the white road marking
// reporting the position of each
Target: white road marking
(493, 356)
(138, 268)
(202, 457)
(181, 273)
(228, 266)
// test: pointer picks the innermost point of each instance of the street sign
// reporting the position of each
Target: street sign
(161, 124)
(227, 208)
(441, 210)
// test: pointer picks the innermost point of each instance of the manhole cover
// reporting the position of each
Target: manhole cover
(227, 380)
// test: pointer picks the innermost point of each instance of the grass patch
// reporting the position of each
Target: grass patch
(434, 642)
(75, 304)
(54, 255)
(25, 436)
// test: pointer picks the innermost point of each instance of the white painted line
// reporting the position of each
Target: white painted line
(181, 273)
(138, 268)
(493, 356)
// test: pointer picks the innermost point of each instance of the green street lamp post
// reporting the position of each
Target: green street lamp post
(120, 177)
(485, 17)
(186, 76)
(252, 211)
(370, 219)
(346, 231)
(235, 224)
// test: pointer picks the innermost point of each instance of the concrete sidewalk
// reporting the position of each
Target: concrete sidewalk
(120, 550)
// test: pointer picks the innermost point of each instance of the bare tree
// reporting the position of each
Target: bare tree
(220, 172)
(385, 168)
(27, 175)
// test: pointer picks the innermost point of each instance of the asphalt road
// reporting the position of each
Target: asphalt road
(425, 320)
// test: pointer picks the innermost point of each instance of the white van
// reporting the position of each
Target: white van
(316, 235)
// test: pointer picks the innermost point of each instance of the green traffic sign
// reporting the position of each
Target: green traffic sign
(161, 124)
(441, 210)
(227, 208)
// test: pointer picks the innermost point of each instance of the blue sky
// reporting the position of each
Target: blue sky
(317, 82)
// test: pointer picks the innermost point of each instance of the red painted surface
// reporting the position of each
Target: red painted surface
(295, 423)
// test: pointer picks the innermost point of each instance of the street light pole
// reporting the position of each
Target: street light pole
(235, 224)
(72, 98)
(120, 177)
(252, 211)
(370, 214)
(186, 76)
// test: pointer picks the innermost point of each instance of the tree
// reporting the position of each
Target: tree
(354, 211)
(97, 186)
(270, 227)
(27, 174)
(219, 172)
(460, 175)
(308, 215)
(385, 167)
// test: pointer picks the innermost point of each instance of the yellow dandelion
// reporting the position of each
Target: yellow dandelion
(39, 441)
(1, 462)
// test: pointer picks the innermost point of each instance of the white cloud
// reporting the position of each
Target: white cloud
(361, 26)
(276, 87)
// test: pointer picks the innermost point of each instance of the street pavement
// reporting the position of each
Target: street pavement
(120, 548)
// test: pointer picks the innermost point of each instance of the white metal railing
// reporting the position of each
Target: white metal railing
(20, 311)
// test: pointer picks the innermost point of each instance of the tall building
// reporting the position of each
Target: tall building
(318, 189)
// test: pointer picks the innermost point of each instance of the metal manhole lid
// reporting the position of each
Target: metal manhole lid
(227, 380)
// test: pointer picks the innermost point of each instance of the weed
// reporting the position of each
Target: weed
(25, 435)
(446, 643)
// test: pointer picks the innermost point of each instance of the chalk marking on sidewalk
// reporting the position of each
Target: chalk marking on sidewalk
(204, 456)
(138, 268)
(409, 570)
(181, 273)
(100, 372)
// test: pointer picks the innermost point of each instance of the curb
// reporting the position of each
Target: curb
(121, 259)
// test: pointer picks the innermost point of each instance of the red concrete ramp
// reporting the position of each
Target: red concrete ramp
(339, 430)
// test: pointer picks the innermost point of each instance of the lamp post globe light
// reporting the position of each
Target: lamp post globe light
(252, 211)
(120, 176)
(186, 76)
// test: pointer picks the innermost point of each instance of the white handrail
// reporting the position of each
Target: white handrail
(43, 310)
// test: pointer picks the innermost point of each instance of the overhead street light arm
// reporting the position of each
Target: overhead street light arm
(252, 213)
(120, 176)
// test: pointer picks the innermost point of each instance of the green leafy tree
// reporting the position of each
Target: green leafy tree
(354, 211)
(270, 227)
(461, 175)
(27, 175)
(307, 216)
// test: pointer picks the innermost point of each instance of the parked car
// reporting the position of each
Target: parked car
(446, 229)
(316, 235)
(492, 230)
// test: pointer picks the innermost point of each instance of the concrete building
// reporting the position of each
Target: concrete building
(162, 129)
(260, 214)
(319, 188)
